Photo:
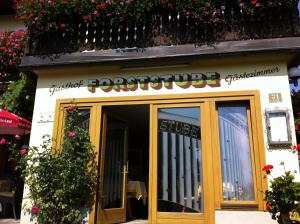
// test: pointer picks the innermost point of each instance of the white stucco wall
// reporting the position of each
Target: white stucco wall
(276, 82)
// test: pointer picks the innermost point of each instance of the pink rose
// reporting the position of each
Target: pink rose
(71, 134)
(35, 209)
(23, 151)
(17, 137)
(71, 107)
(2, 141)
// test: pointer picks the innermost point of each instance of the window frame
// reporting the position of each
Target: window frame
(209, 100)
(257, 155)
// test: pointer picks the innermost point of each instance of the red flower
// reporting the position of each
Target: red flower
(101, 5)
(87, 17)
(72, 134)
(267, 168)
(71, 107)
(268, 206)
(3, 141)
(35, 209)
(23, 151)
(16, 46)
(297, 128)
(296, 147)
(62, 26)
(253, 2)
(170, 6)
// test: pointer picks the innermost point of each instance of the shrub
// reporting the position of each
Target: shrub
(61, 183)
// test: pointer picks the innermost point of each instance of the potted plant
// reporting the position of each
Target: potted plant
(282, 198)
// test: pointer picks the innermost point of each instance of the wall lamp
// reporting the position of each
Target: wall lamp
(294, 74)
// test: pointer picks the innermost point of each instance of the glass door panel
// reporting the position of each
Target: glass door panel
(113, 165)
(114, 170)
(179, 182)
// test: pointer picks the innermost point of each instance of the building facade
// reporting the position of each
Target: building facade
(192, 129)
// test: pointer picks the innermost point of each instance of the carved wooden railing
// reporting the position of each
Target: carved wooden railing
(168, 29)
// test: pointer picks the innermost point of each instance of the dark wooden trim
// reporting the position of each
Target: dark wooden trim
(164, 54)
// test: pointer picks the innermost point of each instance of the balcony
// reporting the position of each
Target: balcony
(163, 27)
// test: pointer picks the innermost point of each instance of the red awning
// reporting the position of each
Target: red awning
(11, 124)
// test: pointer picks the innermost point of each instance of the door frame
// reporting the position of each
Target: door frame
(96, 105)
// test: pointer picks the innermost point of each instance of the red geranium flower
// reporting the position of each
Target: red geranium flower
(268, 206)
(87, 17)
(253, 2)
(296, 147)
(267, 168)
(101, 5)
(62, 26)
(170, 6)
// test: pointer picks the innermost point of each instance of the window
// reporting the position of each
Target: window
(237, 175)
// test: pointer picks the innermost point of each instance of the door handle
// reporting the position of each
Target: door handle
(125, 167)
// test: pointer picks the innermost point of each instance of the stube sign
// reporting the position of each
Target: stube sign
(156, 82)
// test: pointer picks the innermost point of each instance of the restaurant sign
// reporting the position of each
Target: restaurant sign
(157, 82)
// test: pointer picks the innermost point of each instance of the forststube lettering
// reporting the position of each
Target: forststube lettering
(157, 82)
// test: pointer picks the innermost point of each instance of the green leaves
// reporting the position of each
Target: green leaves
(64, 183)
(19, 97)
(283, 196)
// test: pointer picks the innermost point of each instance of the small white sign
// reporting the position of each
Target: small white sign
(278, 127)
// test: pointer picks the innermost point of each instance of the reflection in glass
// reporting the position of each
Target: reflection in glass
(84, 119)
(235, 154)
(113, 165)
(179, 160)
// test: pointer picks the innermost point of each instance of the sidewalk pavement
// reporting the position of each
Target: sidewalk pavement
(9, 221)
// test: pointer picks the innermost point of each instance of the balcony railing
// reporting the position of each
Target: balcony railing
(169, 29)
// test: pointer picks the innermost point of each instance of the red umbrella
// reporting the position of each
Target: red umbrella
(11, 124)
